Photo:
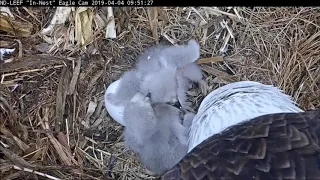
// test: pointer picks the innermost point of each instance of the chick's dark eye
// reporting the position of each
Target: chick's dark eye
(149, 94)
(175, 104)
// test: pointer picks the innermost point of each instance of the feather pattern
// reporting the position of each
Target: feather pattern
(272, 146)
(235, 103)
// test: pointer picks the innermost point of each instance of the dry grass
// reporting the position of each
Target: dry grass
(53, 121)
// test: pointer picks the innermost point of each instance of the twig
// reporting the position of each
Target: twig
(111, 165)
(36, 172)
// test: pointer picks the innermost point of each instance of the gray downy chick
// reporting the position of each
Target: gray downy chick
(166, 71)
(162, 85)
(178, 56)
(157, 62)
(128, 87)
(170, 85)
(185, 75)
(155, 132)
(162, 56)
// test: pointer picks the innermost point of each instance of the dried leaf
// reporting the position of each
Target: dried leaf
(99, 108)
(64, 156)
(63, 140)
(15, 27)
(61, 96)
(6, 11)
(23, 146)
(30, 61)
(14, 157)
(24, 130)
(60, 17)
(153, 20)
(100, 119)
(5, 104)
(210, 60)
(75, 76)
(6, 44)
(218, 80)
(43, 47)
(223, 75)
(94, 79)
(37, 155)
(91, 108)
(83, 24)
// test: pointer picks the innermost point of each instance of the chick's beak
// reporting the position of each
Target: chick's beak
(148, 96)
(177, 105)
